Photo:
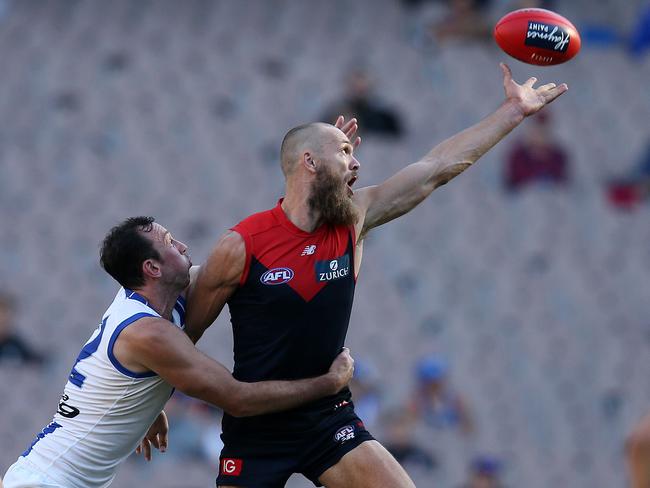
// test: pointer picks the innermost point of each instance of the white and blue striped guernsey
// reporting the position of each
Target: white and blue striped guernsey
(105, 409)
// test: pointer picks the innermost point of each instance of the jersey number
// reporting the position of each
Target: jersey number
(76, 378)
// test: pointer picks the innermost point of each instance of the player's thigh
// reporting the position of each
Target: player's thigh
(638, 454)
(368, 465)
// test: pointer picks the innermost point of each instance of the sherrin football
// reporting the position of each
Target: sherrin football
(537, 36)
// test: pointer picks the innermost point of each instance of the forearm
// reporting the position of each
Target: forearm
(272, 396)
(410, 186)
(194, 331)
(454, 155)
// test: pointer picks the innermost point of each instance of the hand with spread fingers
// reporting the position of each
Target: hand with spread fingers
(157, 435)
(526, 97)
(349, 128)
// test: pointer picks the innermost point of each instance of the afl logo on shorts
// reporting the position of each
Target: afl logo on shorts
(277, 276)
(344, 434)
(231, 467)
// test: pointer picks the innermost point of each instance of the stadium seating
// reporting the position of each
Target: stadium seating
(177, 109)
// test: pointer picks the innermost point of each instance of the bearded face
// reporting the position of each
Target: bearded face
(330, 198)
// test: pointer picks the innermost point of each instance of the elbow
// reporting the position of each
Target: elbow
(449, 173)
(237, 411)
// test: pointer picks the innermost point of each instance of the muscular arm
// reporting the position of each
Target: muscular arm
(156, 345)
(216, 280)
(406, 189)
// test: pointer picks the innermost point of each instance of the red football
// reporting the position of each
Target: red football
(537, 36)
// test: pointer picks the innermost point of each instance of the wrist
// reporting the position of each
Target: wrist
(332, 383)
(513, 111)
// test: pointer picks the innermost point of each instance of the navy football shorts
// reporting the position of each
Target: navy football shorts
(267, 460)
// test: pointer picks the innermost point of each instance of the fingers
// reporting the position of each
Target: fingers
(154, 440)
(548, 86)
(146, 448)
(138, 449)
(164, 440)
(530, 82)
(350, 128)
(555, 92)
(507, 73)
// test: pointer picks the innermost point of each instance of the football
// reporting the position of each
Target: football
(537, 36)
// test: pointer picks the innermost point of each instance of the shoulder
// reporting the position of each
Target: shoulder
(256, 223)
(148, 333)
(226, 262)
(231, 245)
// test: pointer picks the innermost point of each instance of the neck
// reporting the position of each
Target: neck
(161, 300)
(296, 207)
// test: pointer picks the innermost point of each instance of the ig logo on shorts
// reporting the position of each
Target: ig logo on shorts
(231, 467)
(344, 434)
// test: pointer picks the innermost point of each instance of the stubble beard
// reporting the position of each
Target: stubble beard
(330, 201)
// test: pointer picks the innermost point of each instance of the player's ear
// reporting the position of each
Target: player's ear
(151, 268)
(309, 162)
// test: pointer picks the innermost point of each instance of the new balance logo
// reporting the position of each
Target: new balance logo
(309, 250)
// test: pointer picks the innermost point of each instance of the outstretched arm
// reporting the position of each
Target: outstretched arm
(406, 189)
(156, 345)
(216, 280)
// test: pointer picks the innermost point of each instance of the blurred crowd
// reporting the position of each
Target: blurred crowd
(545, 230)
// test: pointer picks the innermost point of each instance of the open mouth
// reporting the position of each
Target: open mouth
(351, 182)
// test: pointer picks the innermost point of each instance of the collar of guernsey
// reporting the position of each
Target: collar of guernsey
(278, 213)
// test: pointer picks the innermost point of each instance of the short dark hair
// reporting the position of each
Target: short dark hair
(124, 249)
(290, 144)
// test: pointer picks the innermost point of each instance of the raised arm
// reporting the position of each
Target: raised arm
(406, 189)
(156, 345)
(216, 280)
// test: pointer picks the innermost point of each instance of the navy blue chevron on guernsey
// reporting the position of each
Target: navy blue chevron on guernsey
(291, 312)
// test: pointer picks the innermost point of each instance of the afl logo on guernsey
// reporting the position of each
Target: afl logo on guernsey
(277, 276)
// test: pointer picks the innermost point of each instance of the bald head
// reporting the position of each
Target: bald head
(304, 138)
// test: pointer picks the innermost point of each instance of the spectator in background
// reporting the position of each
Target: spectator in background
(365, 391)
(536, 158)
(411, 3)
(484, 473)
(547, 4)
(13, 349)
(640, 39)
(435, 401)
(631, 190)
(400, 441)
(361, 103)
(465, 20)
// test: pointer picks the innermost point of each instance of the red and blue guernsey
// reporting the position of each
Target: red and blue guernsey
(291, 312)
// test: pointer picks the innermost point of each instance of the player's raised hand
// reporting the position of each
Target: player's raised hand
(157, 435)
(349, 128)
(342, 368)
(526, 97)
